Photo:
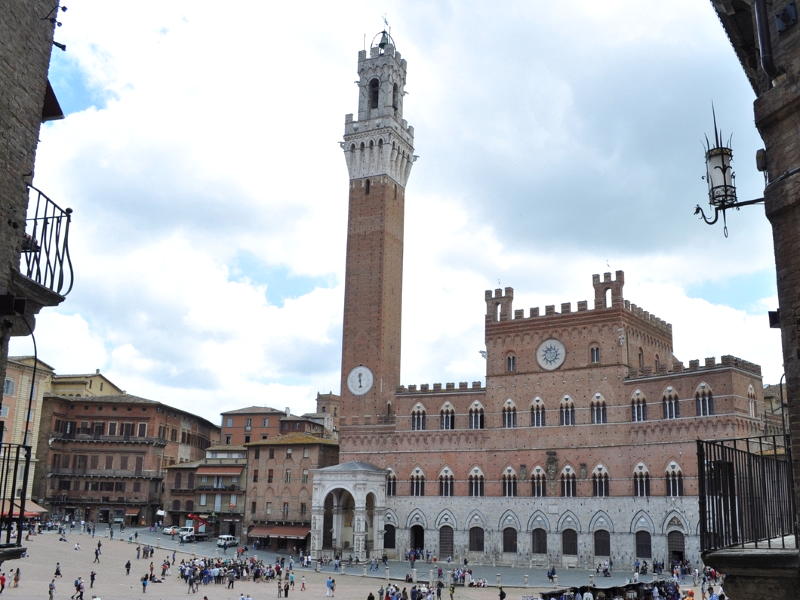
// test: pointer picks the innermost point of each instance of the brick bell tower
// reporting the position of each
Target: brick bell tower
(379, 150)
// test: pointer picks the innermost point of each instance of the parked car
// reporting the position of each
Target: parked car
(171, 530)
(226, 541)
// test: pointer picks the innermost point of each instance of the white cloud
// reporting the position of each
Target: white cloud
(551, 141)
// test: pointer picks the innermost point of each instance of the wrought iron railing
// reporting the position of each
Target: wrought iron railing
(15, 462)
(746, 497)
(45, 252)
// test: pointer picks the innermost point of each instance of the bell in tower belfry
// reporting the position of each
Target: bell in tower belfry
(379, 151)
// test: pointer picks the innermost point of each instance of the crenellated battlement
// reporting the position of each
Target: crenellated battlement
(709, 363)
(437, 388)
(608, 294)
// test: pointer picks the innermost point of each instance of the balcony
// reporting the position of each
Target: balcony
(89, 437)
(747, 513)
(233, 487)
(77, 497)
(45, 251)
(106, 473)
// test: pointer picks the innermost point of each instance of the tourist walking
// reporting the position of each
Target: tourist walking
(92, 577)
(58, 571)
(17, 575)
(51, 589)
(128, 568)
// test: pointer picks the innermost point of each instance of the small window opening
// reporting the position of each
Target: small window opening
(366, 187)
(374, 86)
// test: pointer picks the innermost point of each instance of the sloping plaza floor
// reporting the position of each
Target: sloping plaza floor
(112, 584)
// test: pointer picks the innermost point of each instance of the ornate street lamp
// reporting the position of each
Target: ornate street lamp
(721, 180)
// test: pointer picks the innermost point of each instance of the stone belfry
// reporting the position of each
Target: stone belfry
(379, 150)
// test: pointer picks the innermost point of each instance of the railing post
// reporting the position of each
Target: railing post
(701, 470)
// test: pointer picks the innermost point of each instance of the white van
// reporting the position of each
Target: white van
(226, 541)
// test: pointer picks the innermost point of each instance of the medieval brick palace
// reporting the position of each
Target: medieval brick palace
(580, 447)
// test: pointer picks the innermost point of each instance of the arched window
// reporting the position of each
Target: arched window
(641, 358)
(510, 540)
(643, 547)
(366, 183)
(569, 542)
(539, 541)
(751, 401)
(511, 362)
(509, 414)
(417, 483)
(598, 409)
(476, 482)
(190, 505)
(704, 401)
(374, 88)
(657, 362)
(476, 539)
(600, 482)
(389, 536)
(537, 413)
(567, 411)
(476, 417)
(538, 483)
(674, 479)
(602, 543)
(671, 404)
(594, 354)
(391, 484)
(568, 486)
(418, 418)
(638, 407)
(447, 417)
(395, 98)
(178, 480)
(641, 482)
(176, 505)
(446, 482)
(509, 483)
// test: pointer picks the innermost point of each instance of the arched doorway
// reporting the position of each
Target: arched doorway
(445, 542)
(676, 547)
(510, 540)
(602, 543)
(337, 521)
(389, 537)
(569, 542)
(643, 545)
(417, 537)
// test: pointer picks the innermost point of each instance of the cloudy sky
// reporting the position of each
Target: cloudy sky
(200, 155)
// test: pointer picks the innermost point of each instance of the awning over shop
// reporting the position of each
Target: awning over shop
(31, 508)
(220, 470)
(132, 512)
(291, 532)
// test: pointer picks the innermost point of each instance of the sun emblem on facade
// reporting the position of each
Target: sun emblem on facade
(551, 354)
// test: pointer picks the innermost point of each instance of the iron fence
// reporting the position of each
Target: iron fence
(746, 497)
(15, 461)
(45, 252)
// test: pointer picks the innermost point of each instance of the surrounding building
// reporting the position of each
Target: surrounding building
(580, 447)
(107, 455)
(279, 487)
(27, 379)
(760, 556)
(35, 267)
(212, 488)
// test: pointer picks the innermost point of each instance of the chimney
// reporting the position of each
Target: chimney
(288, 412)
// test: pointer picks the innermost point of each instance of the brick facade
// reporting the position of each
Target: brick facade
(580, 446)
(106, 455)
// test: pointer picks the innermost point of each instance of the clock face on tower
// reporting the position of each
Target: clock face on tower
(551, 354)
(359, 381)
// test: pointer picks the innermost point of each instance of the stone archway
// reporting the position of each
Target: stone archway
(348, 507)
(337, 522)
